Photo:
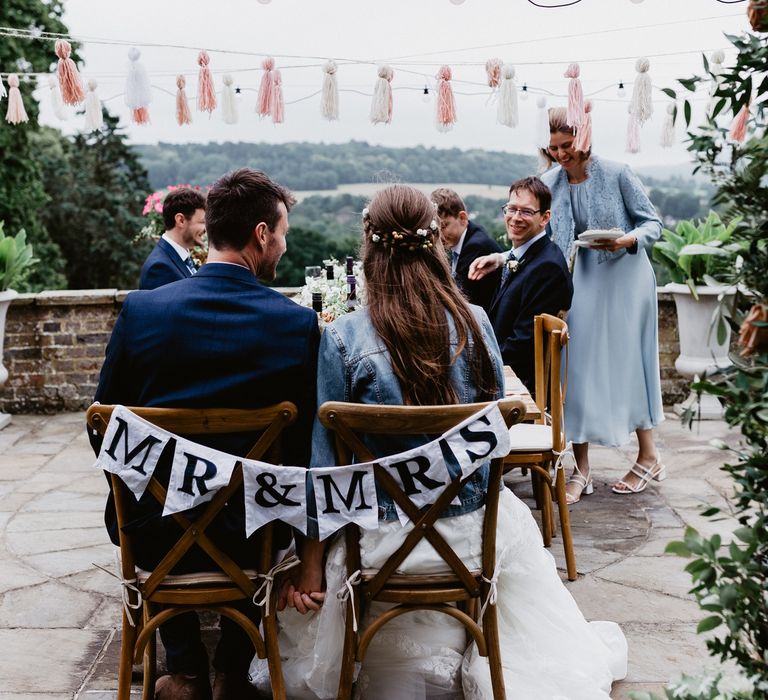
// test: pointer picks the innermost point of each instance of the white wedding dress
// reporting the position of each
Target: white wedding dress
(549, 651)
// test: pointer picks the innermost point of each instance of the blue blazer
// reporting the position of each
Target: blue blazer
(162, 266)
(540, 285)
(217, 339)
(476, 243)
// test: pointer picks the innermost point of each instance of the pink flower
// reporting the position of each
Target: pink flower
(157, 196)
(147, 209)
(159, 207)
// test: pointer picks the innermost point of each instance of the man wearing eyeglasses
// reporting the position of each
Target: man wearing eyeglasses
(465, 241)
(534, 280)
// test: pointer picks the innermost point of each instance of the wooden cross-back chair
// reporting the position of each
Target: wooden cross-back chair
(411, 592)
(164, 595)
(538, 446)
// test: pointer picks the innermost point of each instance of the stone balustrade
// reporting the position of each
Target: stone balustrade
(55, 341)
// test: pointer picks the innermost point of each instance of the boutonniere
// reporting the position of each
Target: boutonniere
(513, 265)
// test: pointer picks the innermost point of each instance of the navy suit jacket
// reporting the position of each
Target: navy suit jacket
(540, 285)
(218, 339)
(162, 266)
(477, 242)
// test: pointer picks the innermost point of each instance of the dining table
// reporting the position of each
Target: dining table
(515, 389)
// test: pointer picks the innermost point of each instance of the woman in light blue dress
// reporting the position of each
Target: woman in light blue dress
(614, 385)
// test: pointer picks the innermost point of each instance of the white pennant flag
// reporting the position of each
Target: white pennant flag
(479, 439)
(345, 495)
(274, 493)
(131, 448)
(197, 473)
(421, 473)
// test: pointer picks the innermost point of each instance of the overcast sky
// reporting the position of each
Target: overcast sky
(604, 36)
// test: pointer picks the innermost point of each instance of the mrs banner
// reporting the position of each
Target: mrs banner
(132, 447)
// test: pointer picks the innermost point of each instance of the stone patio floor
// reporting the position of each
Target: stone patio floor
(59, 615)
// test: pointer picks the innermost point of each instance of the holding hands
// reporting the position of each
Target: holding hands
(304, 590)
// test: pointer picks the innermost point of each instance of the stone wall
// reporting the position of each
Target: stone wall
(54, 347)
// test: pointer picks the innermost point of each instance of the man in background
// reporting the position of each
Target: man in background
(184, 221)
(465, 241)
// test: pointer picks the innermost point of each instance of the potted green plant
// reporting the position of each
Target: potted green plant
(697, 256)
(16, 259)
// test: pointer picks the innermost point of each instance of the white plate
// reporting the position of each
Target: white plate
(611, 234)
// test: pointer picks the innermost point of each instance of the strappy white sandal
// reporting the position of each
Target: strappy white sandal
(585, 482)
(658, 472)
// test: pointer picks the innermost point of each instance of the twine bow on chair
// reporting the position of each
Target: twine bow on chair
(125, 586)
(269, 580)
(345, 592)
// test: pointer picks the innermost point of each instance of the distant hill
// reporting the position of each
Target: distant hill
(312, 166)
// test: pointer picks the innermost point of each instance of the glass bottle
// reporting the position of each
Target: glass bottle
(317, 301)
(352, 301)
(329, 272)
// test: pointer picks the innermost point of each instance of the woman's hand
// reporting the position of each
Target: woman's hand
(484, 265)
(612, 245)
(305, 590)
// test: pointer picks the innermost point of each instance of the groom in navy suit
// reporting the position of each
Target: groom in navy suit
(535, 278)
(220, 338)
(184, 221)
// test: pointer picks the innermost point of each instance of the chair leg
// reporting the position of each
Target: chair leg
(565, 525)
(273, 657)
(150, 660)
(125, 668)
(546, 512)
(346, 679)
(491, 632)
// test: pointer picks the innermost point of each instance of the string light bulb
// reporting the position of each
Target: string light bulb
(635, 2)
(524, 92)
(238, 90)
(457, 2)
(425, 95)
(620, 91)
(265, 2)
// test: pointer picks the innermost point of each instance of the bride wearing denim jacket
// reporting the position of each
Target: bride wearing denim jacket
(614, 385)
(418, 342)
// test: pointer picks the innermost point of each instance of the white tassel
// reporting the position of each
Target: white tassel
(94, 119)
(716, 69)
(56, 101)
(542, 122)
(641, 104)
(329, 101)
(138, 91)
(506, 109)
(668, 132)
(3, 93)
(381, 107)
(228, 102)
(633, 132)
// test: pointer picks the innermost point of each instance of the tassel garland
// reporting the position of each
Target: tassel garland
(138, 91)
(493, 69)
(264, 100)
(183, 113)
(276, 104)
(381, 106)
(668, 131)
(583, 141)
(542, 122)
(633, 132)
(94, 117)
(739, 127)
(56, 99)
(575, 111)
(329, 101)
(446, 104)
(641, 104)
(506, 109)
(3, 93)
(16, 112)
(206, 94)
(69, 79)
(228, 102)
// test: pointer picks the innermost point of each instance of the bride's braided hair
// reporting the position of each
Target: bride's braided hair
(399, 238)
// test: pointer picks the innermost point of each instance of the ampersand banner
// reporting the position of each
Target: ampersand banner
(274, 493)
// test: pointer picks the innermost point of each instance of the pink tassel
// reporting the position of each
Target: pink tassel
(70, 83)
(206, 94)
(575, 112)
(446, 104)
(140, 115)
(493, 69)
(183, 114)
(583, 140)
(739, 126)
(276, 105)
(16, 112)
(264, 100)
(633, 133)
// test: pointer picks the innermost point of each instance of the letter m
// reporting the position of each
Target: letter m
(143, 449)
(355, 484)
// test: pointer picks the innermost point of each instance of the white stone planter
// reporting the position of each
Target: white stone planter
(6, 298)
(700, 352)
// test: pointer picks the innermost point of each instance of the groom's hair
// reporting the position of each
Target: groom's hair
(238, 202)
(537, 188)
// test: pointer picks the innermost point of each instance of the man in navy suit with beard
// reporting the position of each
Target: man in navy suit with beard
(535, 277)
(184, 221)
(220, 338)
(465, 241)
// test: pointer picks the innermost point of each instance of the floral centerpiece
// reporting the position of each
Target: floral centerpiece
(334, 291)
(154, 228)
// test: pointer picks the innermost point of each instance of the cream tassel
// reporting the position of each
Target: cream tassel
(668, 131)
(641, 104)
(228, 102)
(381, 107)
(138, 91)
(506, 109)
(633, 132)
(56, 100)
(94, 118)
(329, 101)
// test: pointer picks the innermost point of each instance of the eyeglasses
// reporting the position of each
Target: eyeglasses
(523, 213)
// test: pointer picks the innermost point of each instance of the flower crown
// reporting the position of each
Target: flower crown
(407, 240)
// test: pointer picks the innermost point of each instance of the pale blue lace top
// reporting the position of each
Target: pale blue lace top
(579, 208)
